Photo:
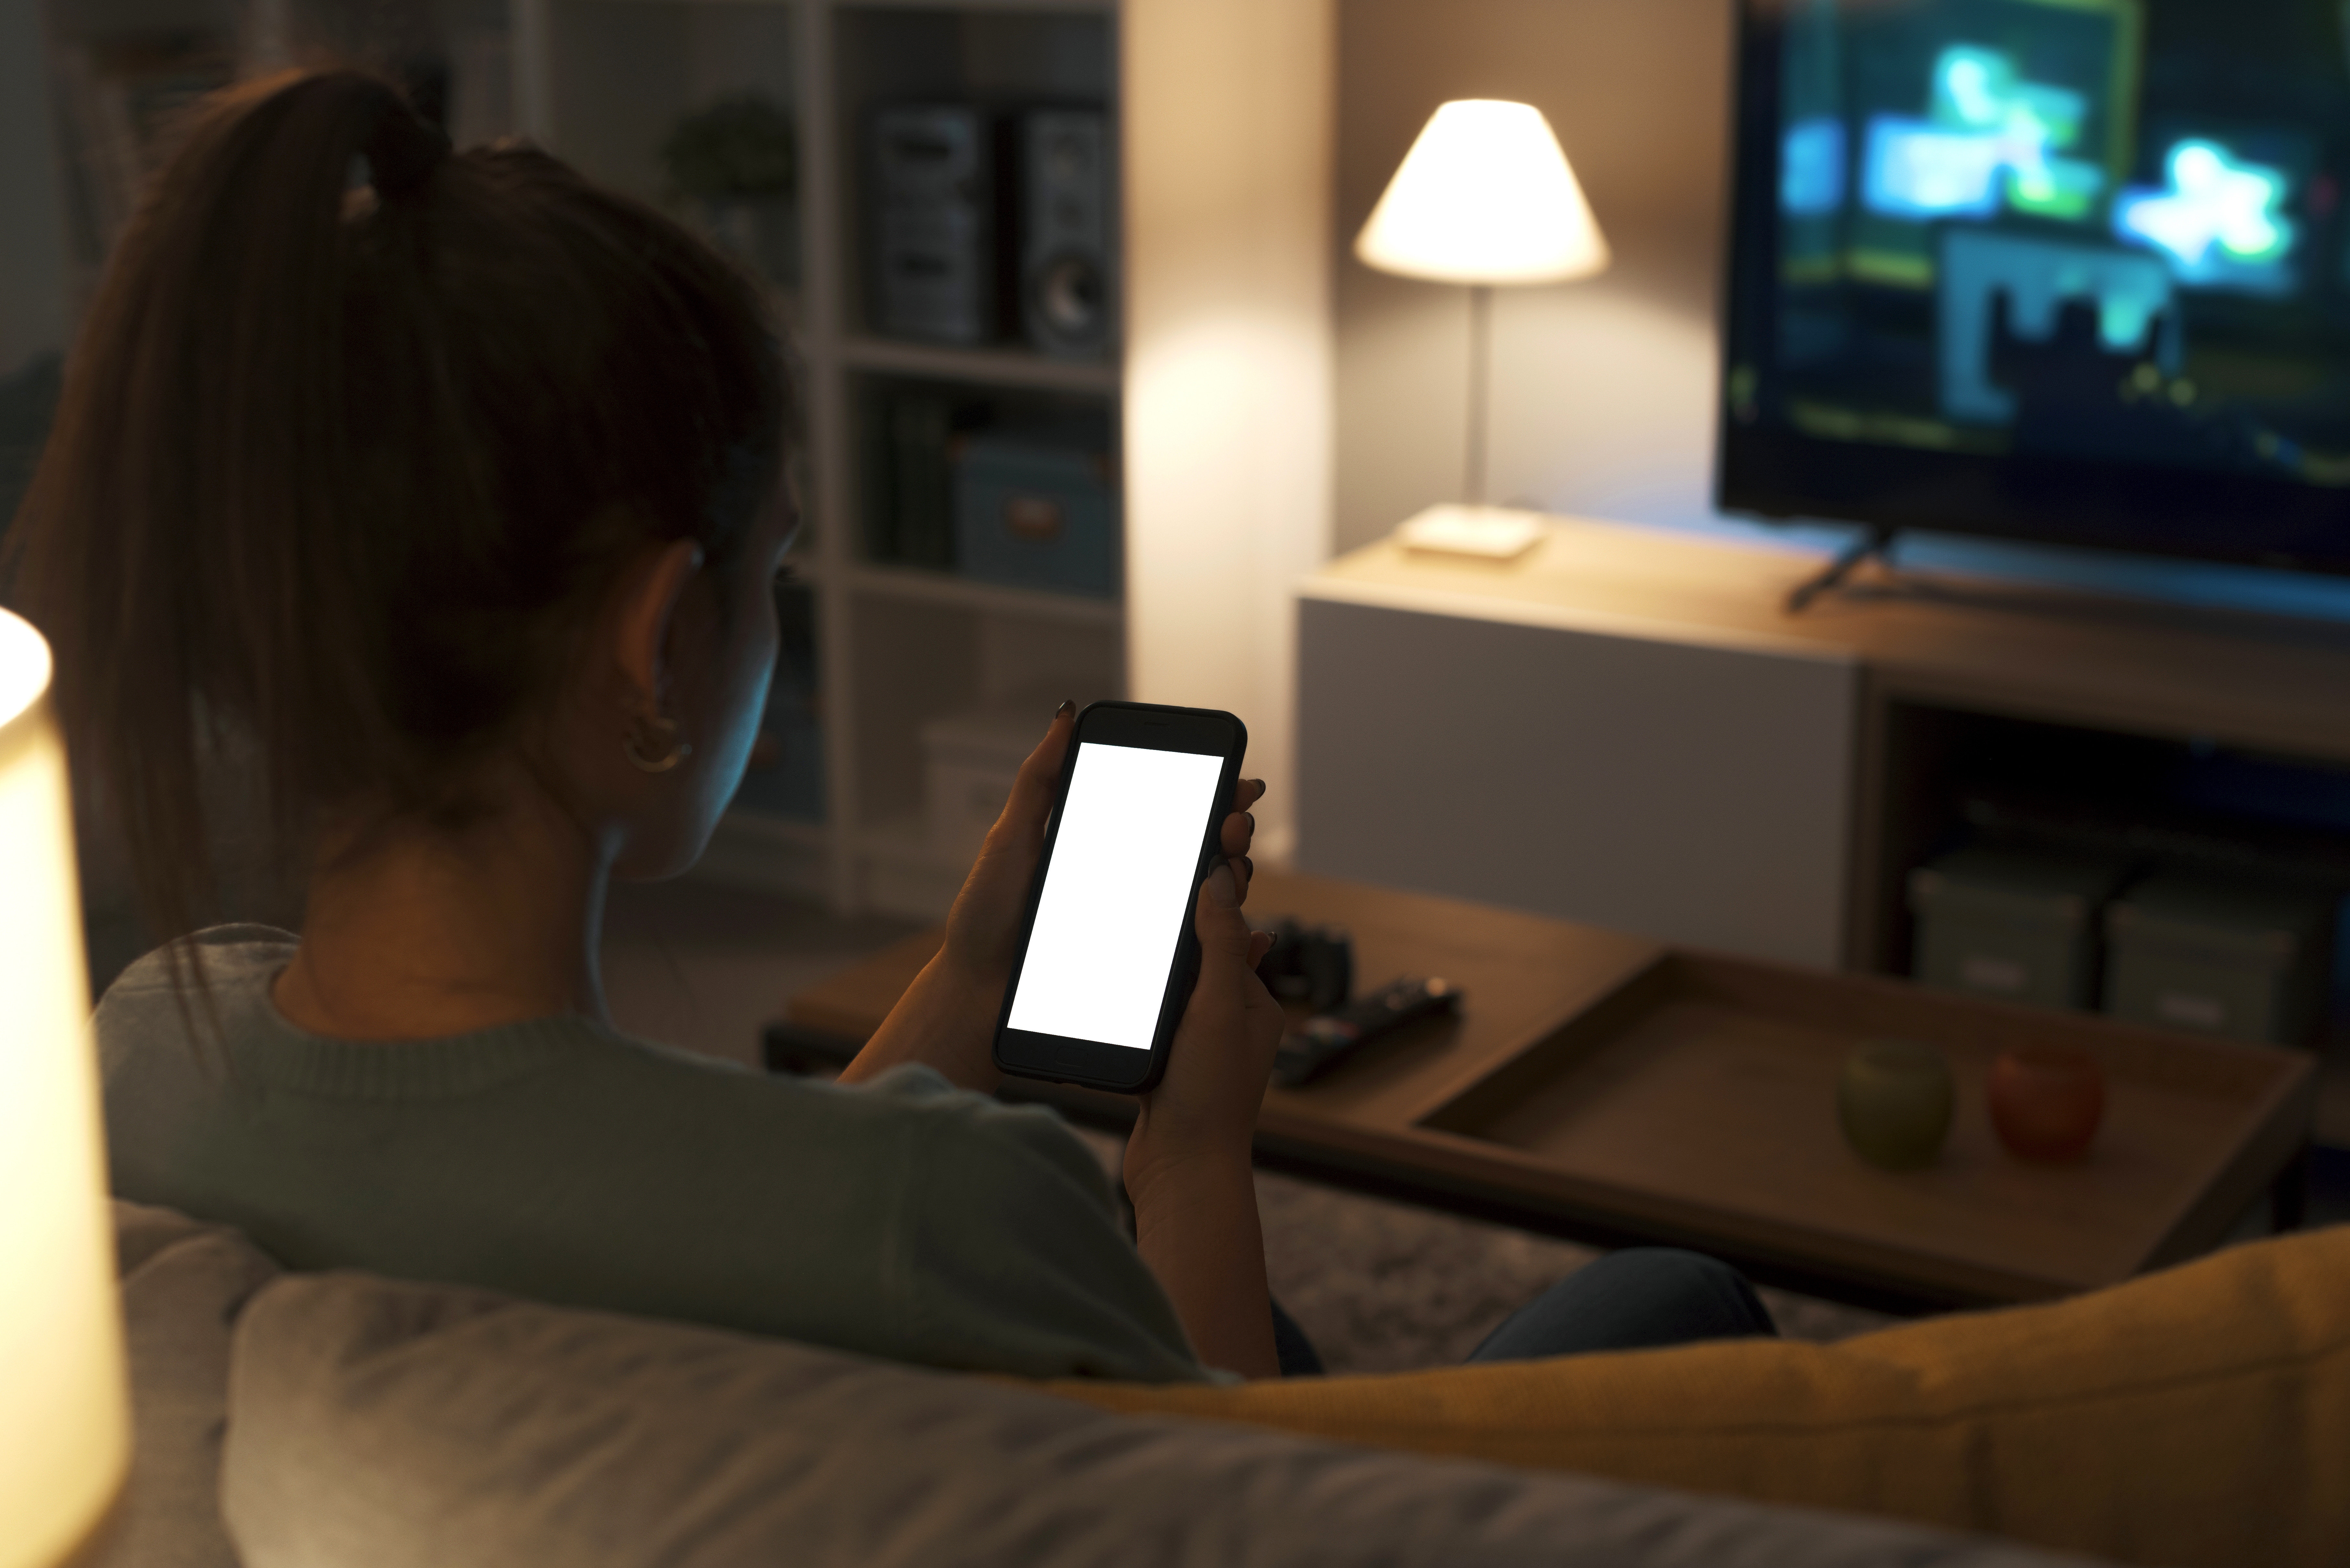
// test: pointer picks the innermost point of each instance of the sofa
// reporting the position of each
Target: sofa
(346, 1421)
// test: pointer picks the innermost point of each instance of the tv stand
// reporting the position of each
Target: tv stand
(1876, 542)
(1629, 728)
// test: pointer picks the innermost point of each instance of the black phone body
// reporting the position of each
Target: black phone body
(1108, 951)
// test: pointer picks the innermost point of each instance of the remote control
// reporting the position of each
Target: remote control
(1327, 1039)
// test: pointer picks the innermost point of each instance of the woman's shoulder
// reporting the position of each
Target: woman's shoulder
(224, 955)
(219, 964)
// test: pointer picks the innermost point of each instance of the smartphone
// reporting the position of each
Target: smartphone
(1107, 949)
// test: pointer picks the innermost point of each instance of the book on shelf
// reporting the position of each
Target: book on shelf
(922, 433)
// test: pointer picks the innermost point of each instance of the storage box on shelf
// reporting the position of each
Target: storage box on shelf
(2219, 955)
(2239, 858)
(2012, 924)
(1008, 486)
(1037, 508)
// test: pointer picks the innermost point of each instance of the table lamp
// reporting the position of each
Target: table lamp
(1483, 198)
(65, 1425)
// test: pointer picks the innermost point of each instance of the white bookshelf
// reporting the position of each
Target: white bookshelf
(600, 82)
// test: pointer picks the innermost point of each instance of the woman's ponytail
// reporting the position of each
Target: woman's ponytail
(402, 152)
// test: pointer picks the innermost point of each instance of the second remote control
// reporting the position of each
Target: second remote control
(1324, 1041)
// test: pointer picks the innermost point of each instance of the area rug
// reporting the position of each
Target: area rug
(1382, 1287)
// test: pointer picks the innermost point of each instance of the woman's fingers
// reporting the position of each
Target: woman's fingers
(1031, 792)
(1239, 828)
(1224, 932)
(1236, 834)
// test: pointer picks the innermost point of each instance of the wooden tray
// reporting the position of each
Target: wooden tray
(1701, 1097)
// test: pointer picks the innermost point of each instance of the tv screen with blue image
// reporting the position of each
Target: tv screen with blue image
(2068, 270)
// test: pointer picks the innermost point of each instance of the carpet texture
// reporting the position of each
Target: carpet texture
(1380, 1286)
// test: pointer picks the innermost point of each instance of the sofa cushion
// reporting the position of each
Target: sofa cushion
(2197, 1416)
(378, 1424)
(183, 1282)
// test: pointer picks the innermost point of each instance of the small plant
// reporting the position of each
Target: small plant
(740, 146)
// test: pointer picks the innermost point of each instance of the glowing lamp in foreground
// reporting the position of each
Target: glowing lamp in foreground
(1484, 197)
(65, 1429)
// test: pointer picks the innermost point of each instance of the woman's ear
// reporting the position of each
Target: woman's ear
(650, 591)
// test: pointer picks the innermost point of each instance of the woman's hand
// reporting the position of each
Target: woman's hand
(947, 1017)
(1206, 1105)
(1188, 1166)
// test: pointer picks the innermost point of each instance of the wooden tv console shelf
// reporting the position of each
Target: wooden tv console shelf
(2264, 682)
(1654, 744)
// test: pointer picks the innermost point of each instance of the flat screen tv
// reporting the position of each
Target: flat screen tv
(2069, 271)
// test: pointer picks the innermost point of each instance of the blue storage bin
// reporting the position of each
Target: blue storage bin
(1037, 510)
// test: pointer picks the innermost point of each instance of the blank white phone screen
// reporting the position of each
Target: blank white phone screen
(1118, 895)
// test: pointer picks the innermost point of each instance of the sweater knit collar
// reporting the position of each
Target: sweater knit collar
(241, 964)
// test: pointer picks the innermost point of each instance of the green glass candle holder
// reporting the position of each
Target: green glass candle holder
(1894, 1099)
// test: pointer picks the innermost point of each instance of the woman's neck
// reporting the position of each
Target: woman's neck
(413, 933)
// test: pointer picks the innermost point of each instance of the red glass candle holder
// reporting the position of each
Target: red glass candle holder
(2046, 1101)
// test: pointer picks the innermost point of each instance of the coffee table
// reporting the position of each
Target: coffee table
(1614, 1090)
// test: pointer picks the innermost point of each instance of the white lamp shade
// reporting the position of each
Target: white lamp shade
(1484, 196)
(64, 1432)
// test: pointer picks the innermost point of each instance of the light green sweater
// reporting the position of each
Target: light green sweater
(554, 1160)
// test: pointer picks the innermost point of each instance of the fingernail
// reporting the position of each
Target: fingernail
(1069, 706)
(1251, 820)
(1251, 866)
(1222, 889)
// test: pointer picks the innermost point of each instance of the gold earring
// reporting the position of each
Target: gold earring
(673, 750)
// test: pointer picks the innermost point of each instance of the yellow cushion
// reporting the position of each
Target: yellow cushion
(2197, 1416)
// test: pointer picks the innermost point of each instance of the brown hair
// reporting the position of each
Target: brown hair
(339, 464)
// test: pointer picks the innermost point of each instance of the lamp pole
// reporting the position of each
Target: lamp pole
(1480, 315)
(1484, 196)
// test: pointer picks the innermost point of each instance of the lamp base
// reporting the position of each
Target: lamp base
(1481, 533)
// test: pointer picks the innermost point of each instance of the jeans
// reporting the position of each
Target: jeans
(1637, 1299)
